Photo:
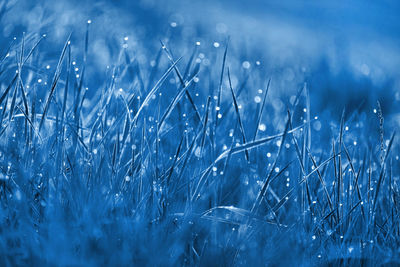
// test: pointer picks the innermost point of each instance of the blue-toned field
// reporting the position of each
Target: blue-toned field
(199, 133)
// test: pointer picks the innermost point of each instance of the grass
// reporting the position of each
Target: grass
(184, 168)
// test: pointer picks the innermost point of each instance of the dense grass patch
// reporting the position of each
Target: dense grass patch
(192, 160)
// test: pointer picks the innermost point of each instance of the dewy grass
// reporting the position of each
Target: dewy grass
(133, 173)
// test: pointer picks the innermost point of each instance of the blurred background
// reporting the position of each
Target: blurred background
(346, 51)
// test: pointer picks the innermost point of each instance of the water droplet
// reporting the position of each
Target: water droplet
(317, 125)
(197, 152)
(246, 65)
(216, 44)
(257, 99)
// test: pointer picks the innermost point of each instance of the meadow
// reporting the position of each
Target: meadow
(188, 152)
